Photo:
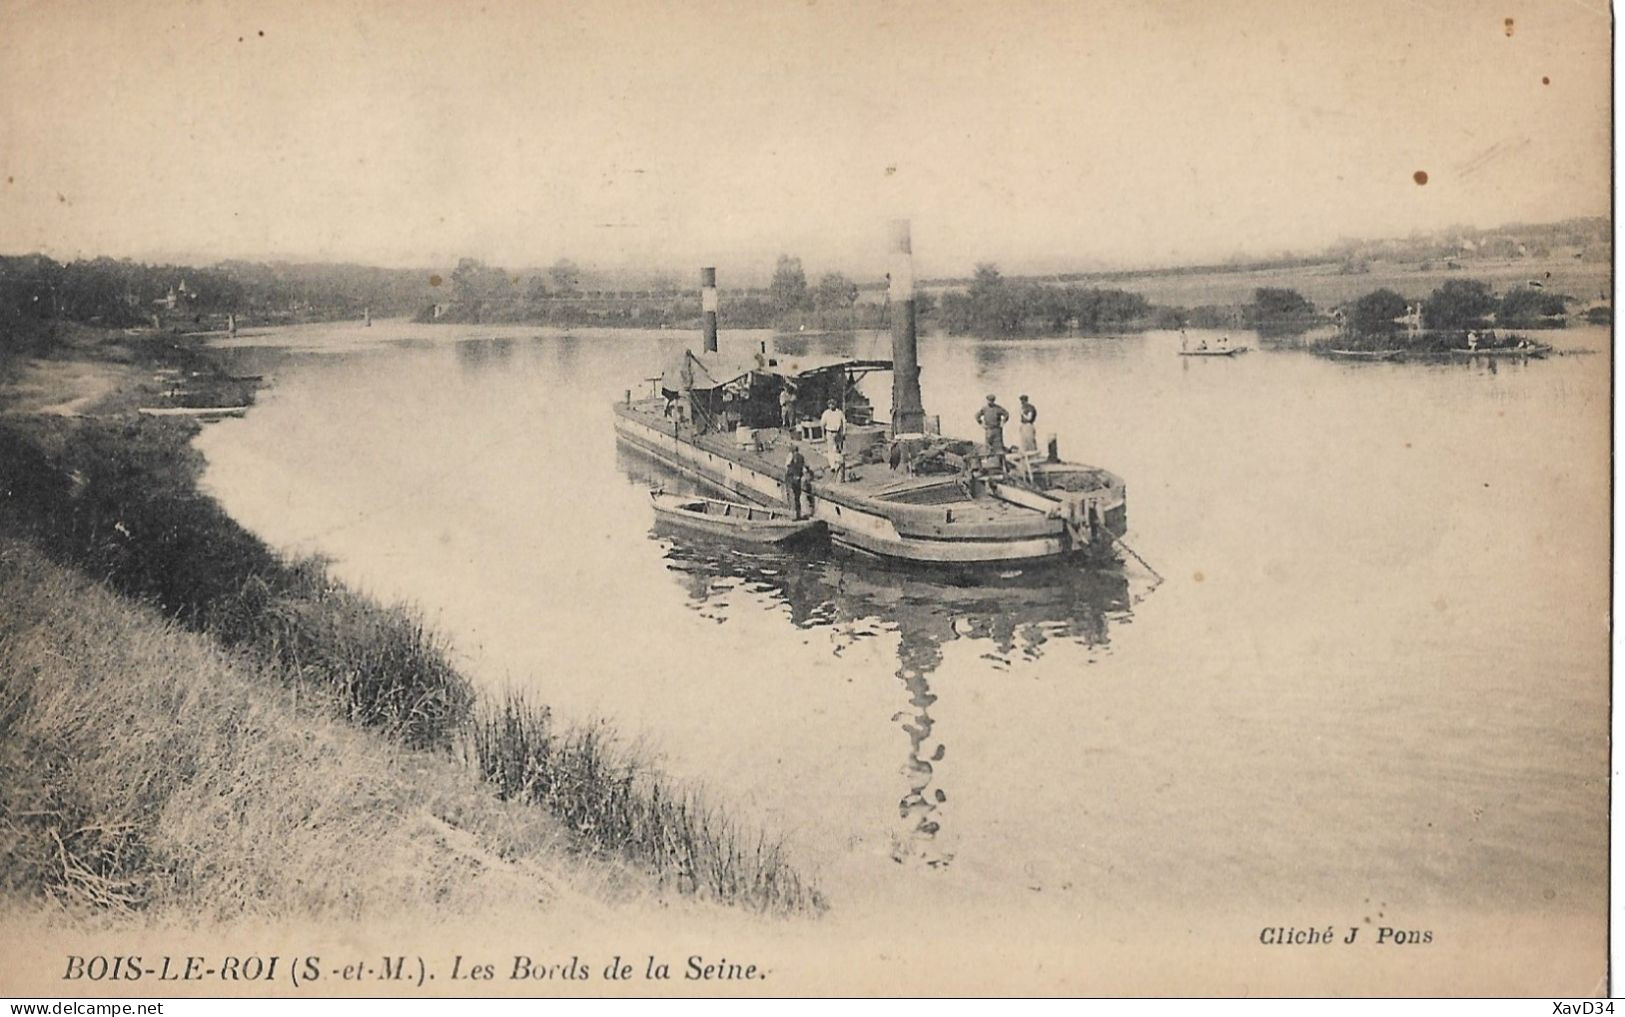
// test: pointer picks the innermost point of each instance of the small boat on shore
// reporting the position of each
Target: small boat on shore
(1531, 350)
(1364, 354)
(755, 524)
(201, 412)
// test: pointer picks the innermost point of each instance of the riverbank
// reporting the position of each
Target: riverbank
(146, 769)
(103, 522)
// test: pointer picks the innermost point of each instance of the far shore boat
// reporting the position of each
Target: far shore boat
(1531, 350)
(755, 524)
(205, 412)
(1365, 354)
(1227, 352)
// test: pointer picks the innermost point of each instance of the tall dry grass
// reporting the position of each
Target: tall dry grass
(616, 806)
(382, 665)
(143, 768)
(118, 501)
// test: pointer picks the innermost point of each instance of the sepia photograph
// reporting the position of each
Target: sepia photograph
(805, 498)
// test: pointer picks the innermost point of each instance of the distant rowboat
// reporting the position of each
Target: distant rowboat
(194, 411)
(753, 523)
(1532, 350)
(1232, 351)
(1364, 354)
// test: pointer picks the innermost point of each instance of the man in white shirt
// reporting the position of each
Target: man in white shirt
(834, 422)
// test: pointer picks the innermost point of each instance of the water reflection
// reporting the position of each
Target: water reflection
(477, 354)
(1017, 613)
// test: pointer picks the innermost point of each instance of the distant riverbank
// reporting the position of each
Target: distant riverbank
(201, 726)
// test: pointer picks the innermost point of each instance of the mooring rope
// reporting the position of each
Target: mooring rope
(1120, 542)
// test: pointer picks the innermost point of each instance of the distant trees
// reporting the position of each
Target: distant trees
(1170, 318)
(993, 305)
(1526, 306)
(480, 288)
(788, 290)
(535, 290)
(1376, 320)
(1459, 303)
(835, 292)
(37, 291)
(565, 276)
(1279, 311)
(990, 304)
(1375, 313)
(1272, 304)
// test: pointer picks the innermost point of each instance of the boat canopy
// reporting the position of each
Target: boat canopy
(800, 367)
(704, 371)
(707, 371)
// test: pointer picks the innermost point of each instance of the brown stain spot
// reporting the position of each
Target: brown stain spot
(435, 280)
(62, 198)
(1509, 27)
(1198, 576)
(1544, 80)
(1421, 177)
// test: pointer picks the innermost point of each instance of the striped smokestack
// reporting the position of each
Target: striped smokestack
(907, 411)
(708, 307)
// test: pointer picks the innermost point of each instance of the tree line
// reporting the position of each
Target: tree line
(1455, 305)
(37, 292)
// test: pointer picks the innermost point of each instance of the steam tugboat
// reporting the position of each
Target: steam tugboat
(898, 489)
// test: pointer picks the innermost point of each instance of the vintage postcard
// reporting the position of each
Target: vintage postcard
(805, 498)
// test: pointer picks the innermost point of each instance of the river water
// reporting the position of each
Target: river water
(1373, 685)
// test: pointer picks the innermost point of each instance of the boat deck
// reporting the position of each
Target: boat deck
(864, 481)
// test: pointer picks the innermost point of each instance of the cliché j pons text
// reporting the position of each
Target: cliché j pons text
(304, 970)
(1383, 935)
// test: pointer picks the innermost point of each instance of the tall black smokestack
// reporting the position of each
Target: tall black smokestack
(907, 411)
(708, 307)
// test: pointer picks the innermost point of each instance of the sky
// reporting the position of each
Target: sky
(1039, 135)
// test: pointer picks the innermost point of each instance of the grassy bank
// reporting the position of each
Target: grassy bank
(115, 499)
(144, 768)
(626, 810)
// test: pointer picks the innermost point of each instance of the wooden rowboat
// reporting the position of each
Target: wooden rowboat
(1364, 354)
(202, 412)
(753, 523)
(1232, 351)
(1532, 350)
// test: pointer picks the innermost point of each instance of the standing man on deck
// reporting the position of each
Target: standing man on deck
(686, 378)
(1029, 426)
(795, 473)
(992, 418)
(787, 406)
(834, 422)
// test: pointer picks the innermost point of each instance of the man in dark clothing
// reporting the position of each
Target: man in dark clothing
(992, 418)
(795, 475)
